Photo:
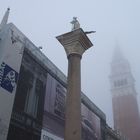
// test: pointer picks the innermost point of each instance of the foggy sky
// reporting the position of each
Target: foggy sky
(115, 22)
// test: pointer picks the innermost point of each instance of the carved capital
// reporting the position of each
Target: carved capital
(75, 42)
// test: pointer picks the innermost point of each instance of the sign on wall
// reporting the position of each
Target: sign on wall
(45, 135)
(10, 62)
(8, 77)
(55, 97)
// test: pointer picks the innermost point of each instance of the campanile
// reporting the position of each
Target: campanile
(124, 98)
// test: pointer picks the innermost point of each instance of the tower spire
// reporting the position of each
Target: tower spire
(117, 55)
(5, 19)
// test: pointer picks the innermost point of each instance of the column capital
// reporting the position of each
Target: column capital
(75, 42)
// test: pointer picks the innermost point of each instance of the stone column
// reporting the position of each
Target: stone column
(75, 43)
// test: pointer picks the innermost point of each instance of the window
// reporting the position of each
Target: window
(28, 90)
(23, 89)
(38, 99)
(120, 83)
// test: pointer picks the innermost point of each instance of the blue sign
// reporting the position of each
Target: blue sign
(8, 77)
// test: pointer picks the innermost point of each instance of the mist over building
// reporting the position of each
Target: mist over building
(33, 92)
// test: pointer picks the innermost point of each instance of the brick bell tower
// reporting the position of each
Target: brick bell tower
(124, 98)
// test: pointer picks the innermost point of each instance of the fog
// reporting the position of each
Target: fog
(115, 22)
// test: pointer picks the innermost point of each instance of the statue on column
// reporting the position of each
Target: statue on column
(75, 24)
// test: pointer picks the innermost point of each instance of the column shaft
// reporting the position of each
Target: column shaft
(73, 101)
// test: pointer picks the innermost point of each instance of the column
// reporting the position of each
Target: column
(75, 43)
